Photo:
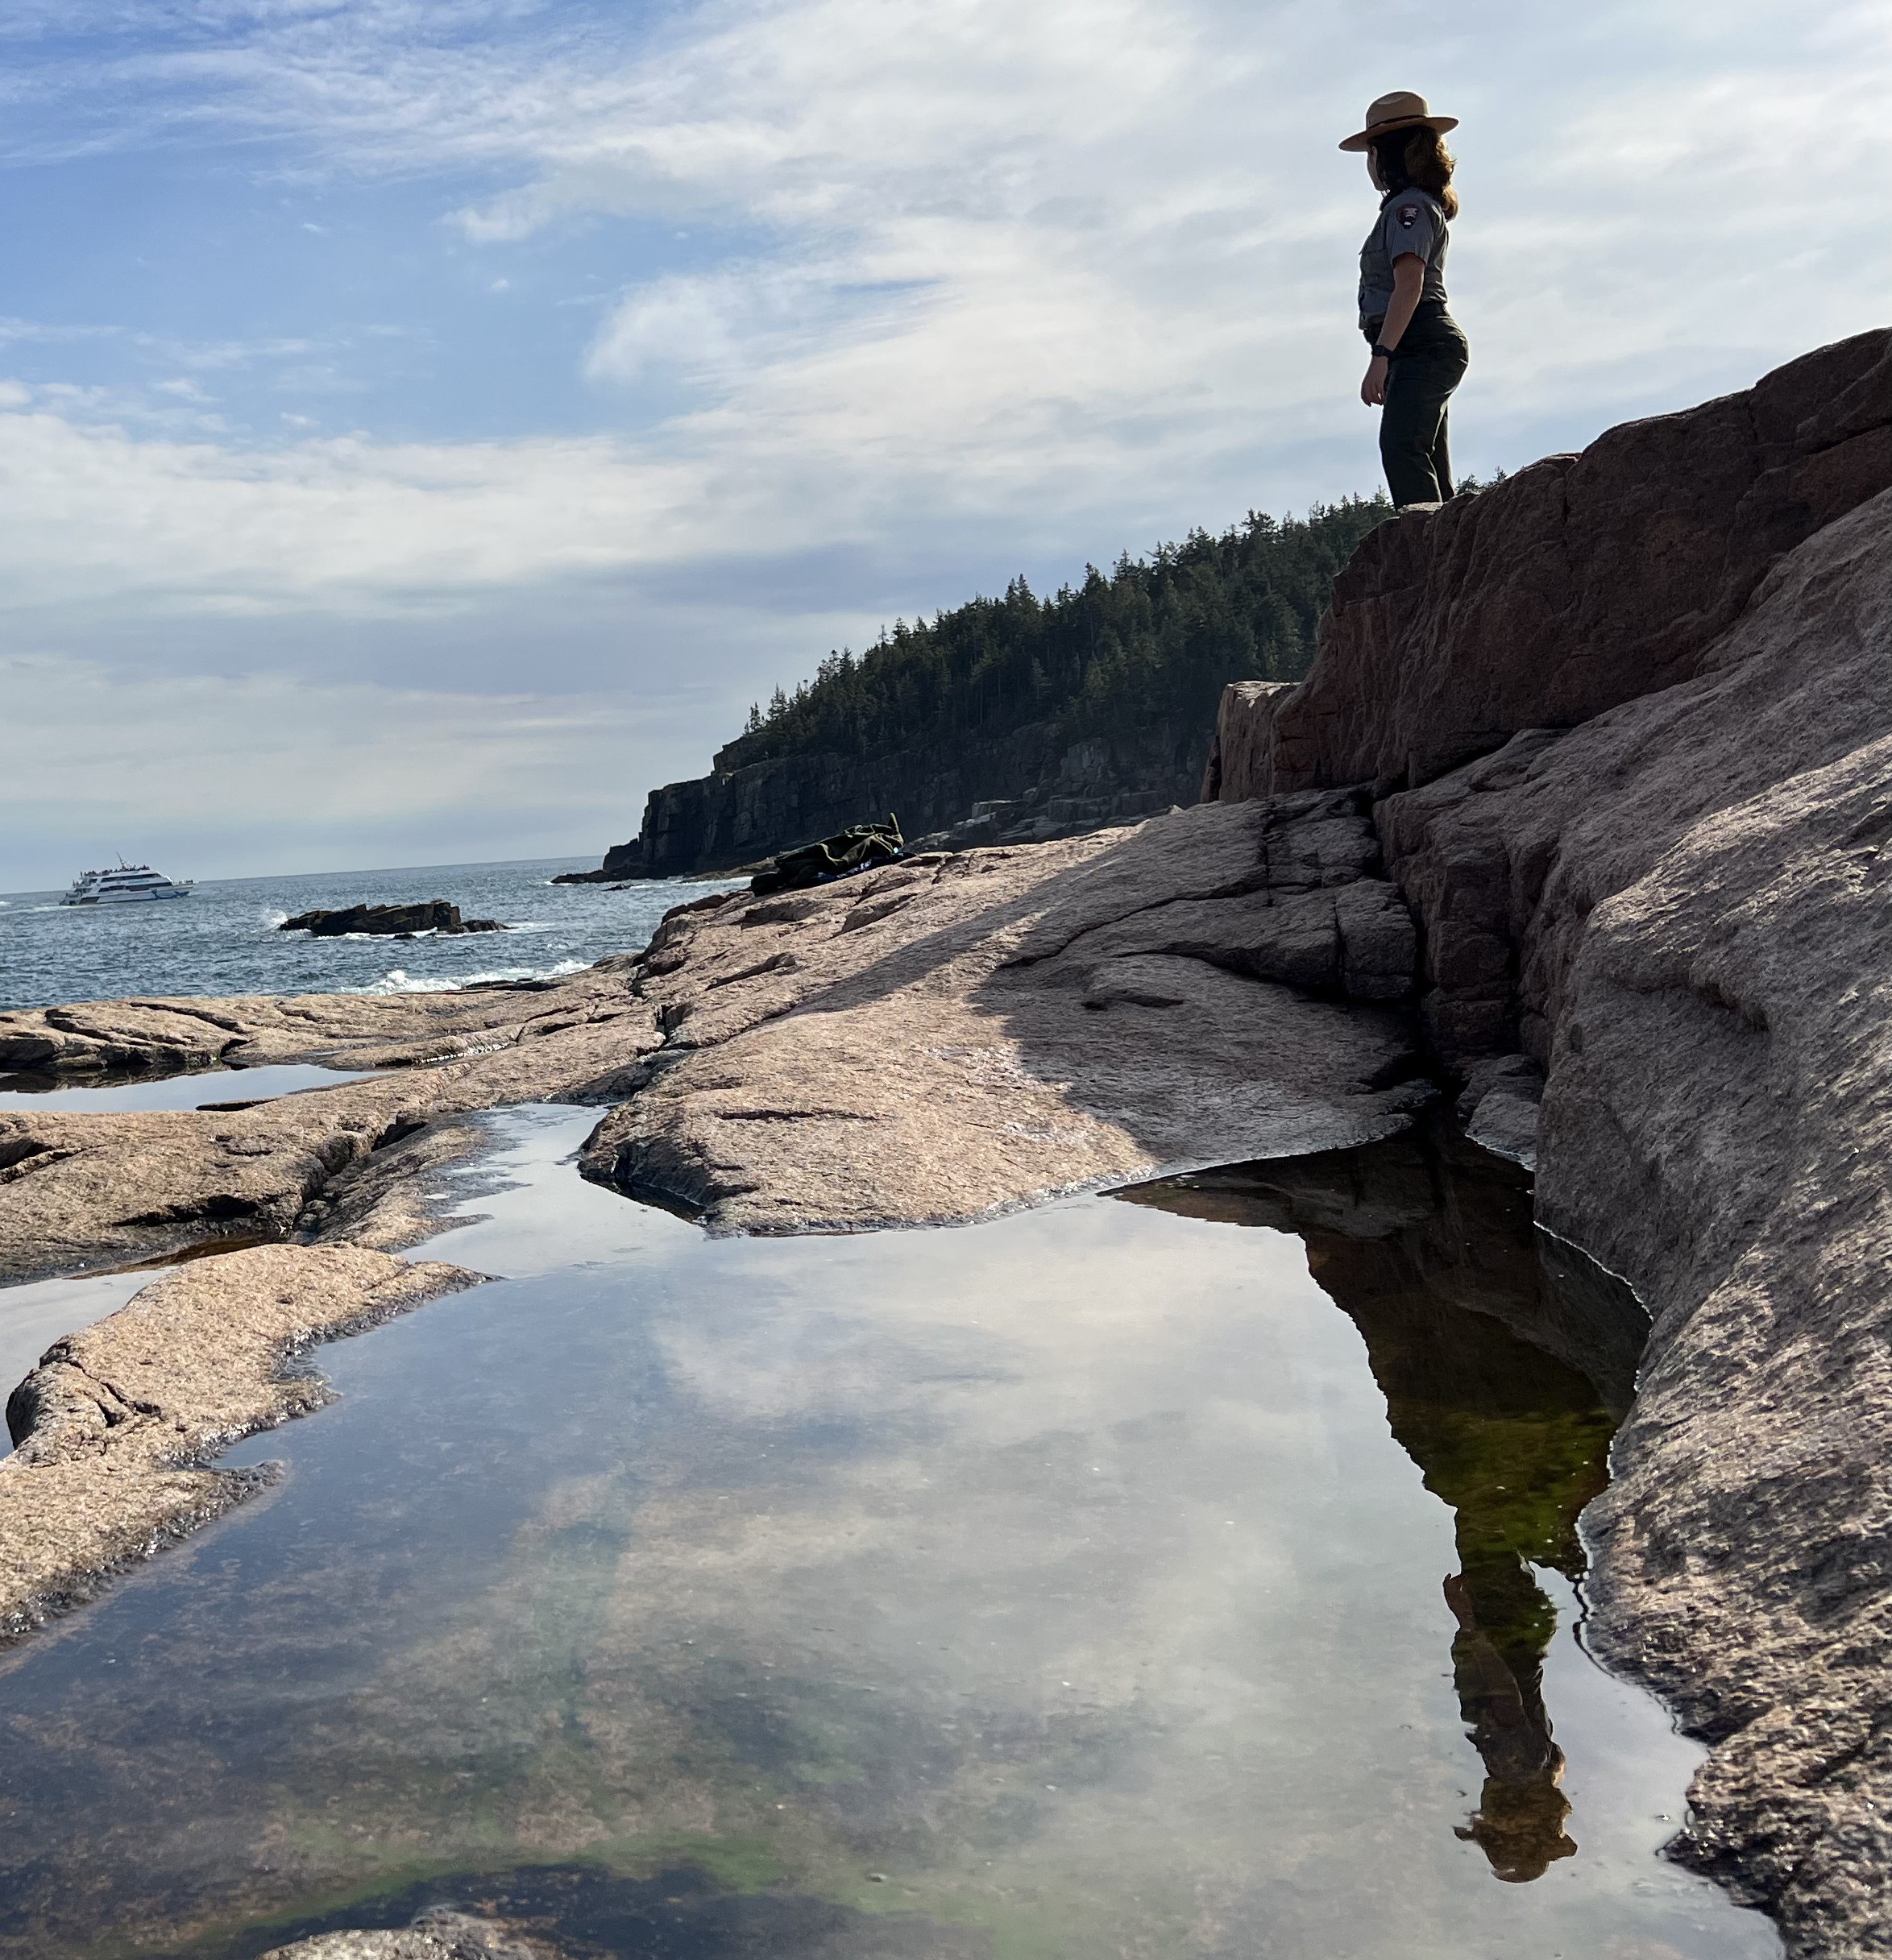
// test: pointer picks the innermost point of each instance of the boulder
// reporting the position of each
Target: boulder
(1242, 755)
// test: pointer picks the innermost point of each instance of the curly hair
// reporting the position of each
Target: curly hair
(1417, 156)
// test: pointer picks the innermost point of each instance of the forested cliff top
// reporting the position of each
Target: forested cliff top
(1155, 640)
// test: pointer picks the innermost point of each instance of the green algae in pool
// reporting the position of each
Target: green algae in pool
(1079, 1583)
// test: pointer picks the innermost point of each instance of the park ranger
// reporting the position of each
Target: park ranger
(1419, 352)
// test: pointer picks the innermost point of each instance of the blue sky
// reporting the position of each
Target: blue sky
(425, 424)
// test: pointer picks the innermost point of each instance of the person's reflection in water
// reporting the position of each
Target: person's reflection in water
(1519, 1821)
(1505, 1372)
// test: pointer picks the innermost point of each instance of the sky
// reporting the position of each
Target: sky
(425, 425)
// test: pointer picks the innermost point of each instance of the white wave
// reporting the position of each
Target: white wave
(564, 968)
(397, 981)
(272, 919)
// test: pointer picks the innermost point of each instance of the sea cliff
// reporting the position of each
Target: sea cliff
(1029, 786)
(1623, 728)
(1014, 719)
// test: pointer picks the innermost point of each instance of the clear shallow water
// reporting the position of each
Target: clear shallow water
(221, 940)
(210, 1088)
(1089, 1582)
(32, 1317)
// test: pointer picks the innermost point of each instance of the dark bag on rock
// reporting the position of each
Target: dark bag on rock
(858, 848)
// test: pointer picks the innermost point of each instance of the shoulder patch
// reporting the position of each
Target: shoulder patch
(1409, 216)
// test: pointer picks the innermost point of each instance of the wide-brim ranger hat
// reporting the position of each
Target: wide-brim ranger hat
(1400, 111)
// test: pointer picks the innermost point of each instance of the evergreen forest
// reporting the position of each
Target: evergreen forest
(1150, 645)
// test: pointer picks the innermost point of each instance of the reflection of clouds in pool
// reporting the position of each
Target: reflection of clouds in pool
(1064, 1570)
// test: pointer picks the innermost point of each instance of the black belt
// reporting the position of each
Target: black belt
(1432, 325)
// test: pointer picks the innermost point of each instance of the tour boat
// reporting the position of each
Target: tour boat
(120, 887)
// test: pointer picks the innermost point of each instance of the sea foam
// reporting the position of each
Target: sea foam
(398, 981)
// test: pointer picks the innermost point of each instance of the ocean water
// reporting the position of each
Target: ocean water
(223, 939)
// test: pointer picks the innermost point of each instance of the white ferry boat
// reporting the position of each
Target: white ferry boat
(128, 884)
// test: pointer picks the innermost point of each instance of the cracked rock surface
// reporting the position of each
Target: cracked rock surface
(953, 1035)
(82, 1189)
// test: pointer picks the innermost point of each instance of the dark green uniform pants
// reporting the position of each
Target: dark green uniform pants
(1428, 363)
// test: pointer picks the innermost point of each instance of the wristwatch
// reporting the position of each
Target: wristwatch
(1382, 352)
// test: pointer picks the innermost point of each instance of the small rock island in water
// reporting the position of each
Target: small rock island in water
(433, 915)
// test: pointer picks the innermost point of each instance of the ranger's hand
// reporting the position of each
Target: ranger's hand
(1373, 388)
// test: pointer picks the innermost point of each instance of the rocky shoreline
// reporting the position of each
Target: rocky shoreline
(1587, 802)
(983, 1061)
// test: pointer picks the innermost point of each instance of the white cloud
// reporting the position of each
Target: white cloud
(967, 278)
(98, 514)
(280, 768)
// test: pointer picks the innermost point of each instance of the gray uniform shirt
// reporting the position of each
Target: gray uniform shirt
(1410, 220)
